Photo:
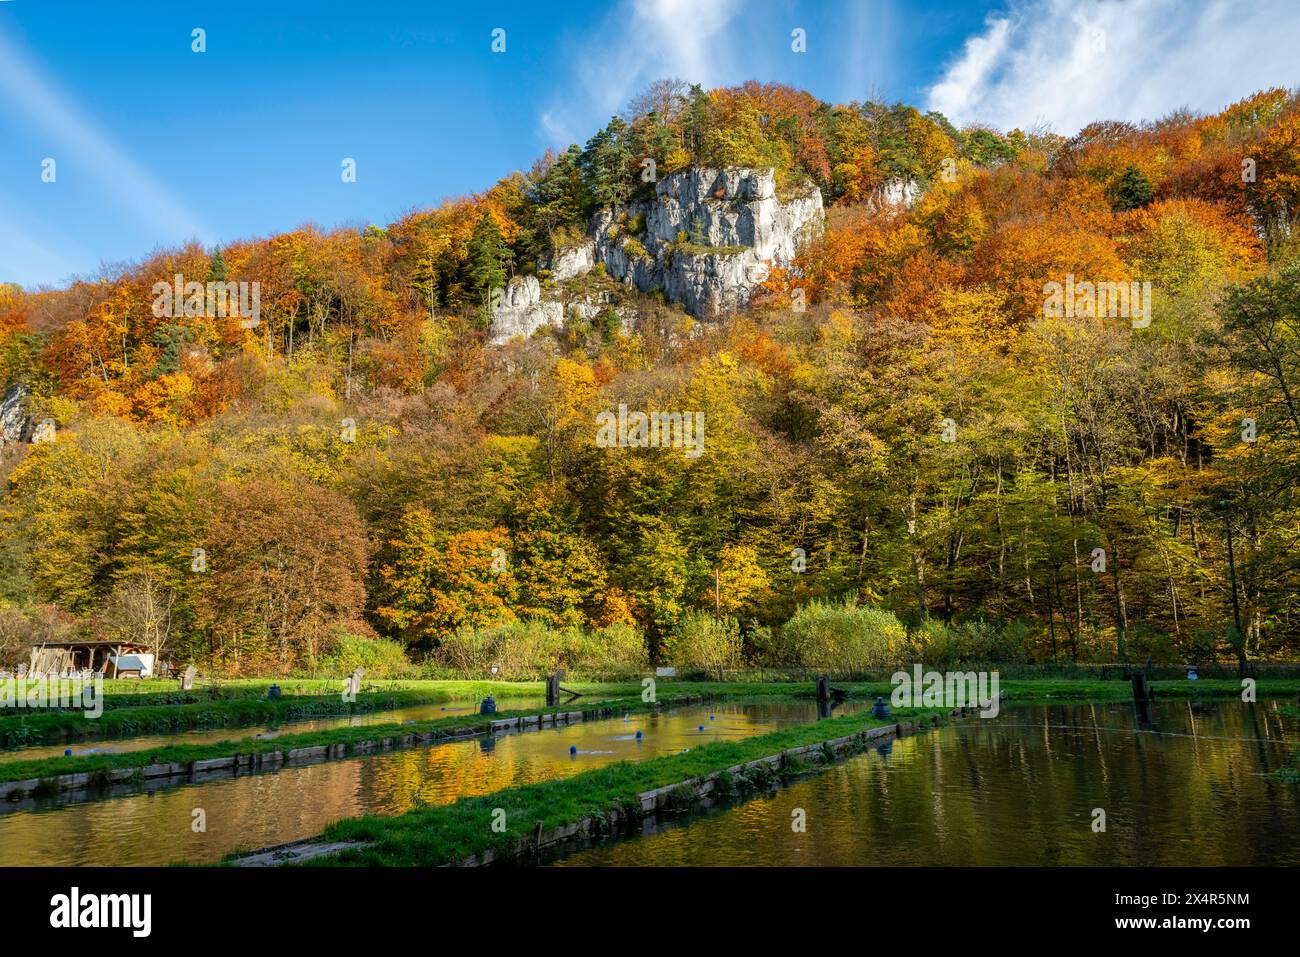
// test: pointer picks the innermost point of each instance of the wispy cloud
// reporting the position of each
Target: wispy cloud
(636, 43)
(82, 146)
(869, 33)
(1068, 62)
(32, 248)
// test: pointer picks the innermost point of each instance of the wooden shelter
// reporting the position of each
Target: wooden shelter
(56, 657)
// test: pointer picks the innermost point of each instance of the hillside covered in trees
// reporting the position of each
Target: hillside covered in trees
(899, 436)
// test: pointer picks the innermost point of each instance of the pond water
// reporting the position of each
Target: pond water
(423, 712)
(142, 825)
(1190, 787)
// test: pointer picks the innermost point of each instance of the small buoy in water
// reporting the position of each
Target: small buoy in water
(573, 749)
(67, 752)
(638, 734)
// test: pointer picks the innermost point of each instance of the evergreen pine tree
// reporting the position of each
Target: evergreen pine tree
(1133, 191)
(217, 267)
(488, 258)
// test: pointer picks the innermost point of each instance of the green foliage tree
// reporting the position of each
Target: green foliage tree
(489, 258)
(1132, 191)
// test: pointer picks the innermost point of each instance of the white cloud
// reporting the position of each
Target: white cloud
(636, 43)
(1039, 62)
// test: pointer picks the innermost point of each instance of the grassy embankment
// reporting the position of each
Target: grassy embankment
(44, 768)
(252, 711)
(136, 693)
(134, 712)
(623, 696)
(1290, 772)
(448, 834)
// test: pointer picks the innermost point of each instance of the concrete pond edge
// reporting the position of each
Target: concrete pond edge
(235, 764)
(682, 796)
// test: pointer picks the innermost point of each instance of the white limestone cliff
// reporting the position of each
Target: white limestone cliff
(707, 239)
(521, 311)
(15, 423)
(735, 230)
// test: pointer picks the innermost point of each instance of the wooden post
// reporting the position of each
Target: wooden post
(1141, 696)
(824, 688)
(1140, 692)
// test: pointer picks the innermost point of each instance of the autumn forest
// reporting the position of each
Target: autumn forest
(906, 457)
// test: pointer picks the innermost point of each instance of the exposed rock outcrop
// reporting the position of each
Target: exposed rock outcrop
(15, 423)
(574, 261)
(709, 237)
(898, 192)
(521, 310)
(706, 239)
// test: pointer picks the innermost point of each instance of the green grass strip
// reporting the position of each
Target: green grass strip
(1061, 691)
(449, 834)
(134, 693)
(44, 768)
(53, 727)
(57, 726)
(20, 727)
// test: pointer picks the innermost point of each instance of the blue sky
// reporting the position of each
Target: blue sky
(156, 144)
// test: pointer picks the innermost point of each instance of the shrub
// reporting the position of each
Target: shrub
(1144, 642)
(704, 642)
(842, 636)
(941, 645)
(617, 649)
(380, 658)
(533, 649)
(519, 649)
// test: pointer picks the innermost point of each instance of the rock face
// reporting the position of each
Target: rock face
(707, 239)
(898, 192)
(522, 311)
(735, 229)
(574, 261)
(15, 424)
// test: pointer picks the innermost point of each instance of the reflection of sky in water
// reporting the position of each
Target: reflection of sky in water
(263, 809)
(1190, 788)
